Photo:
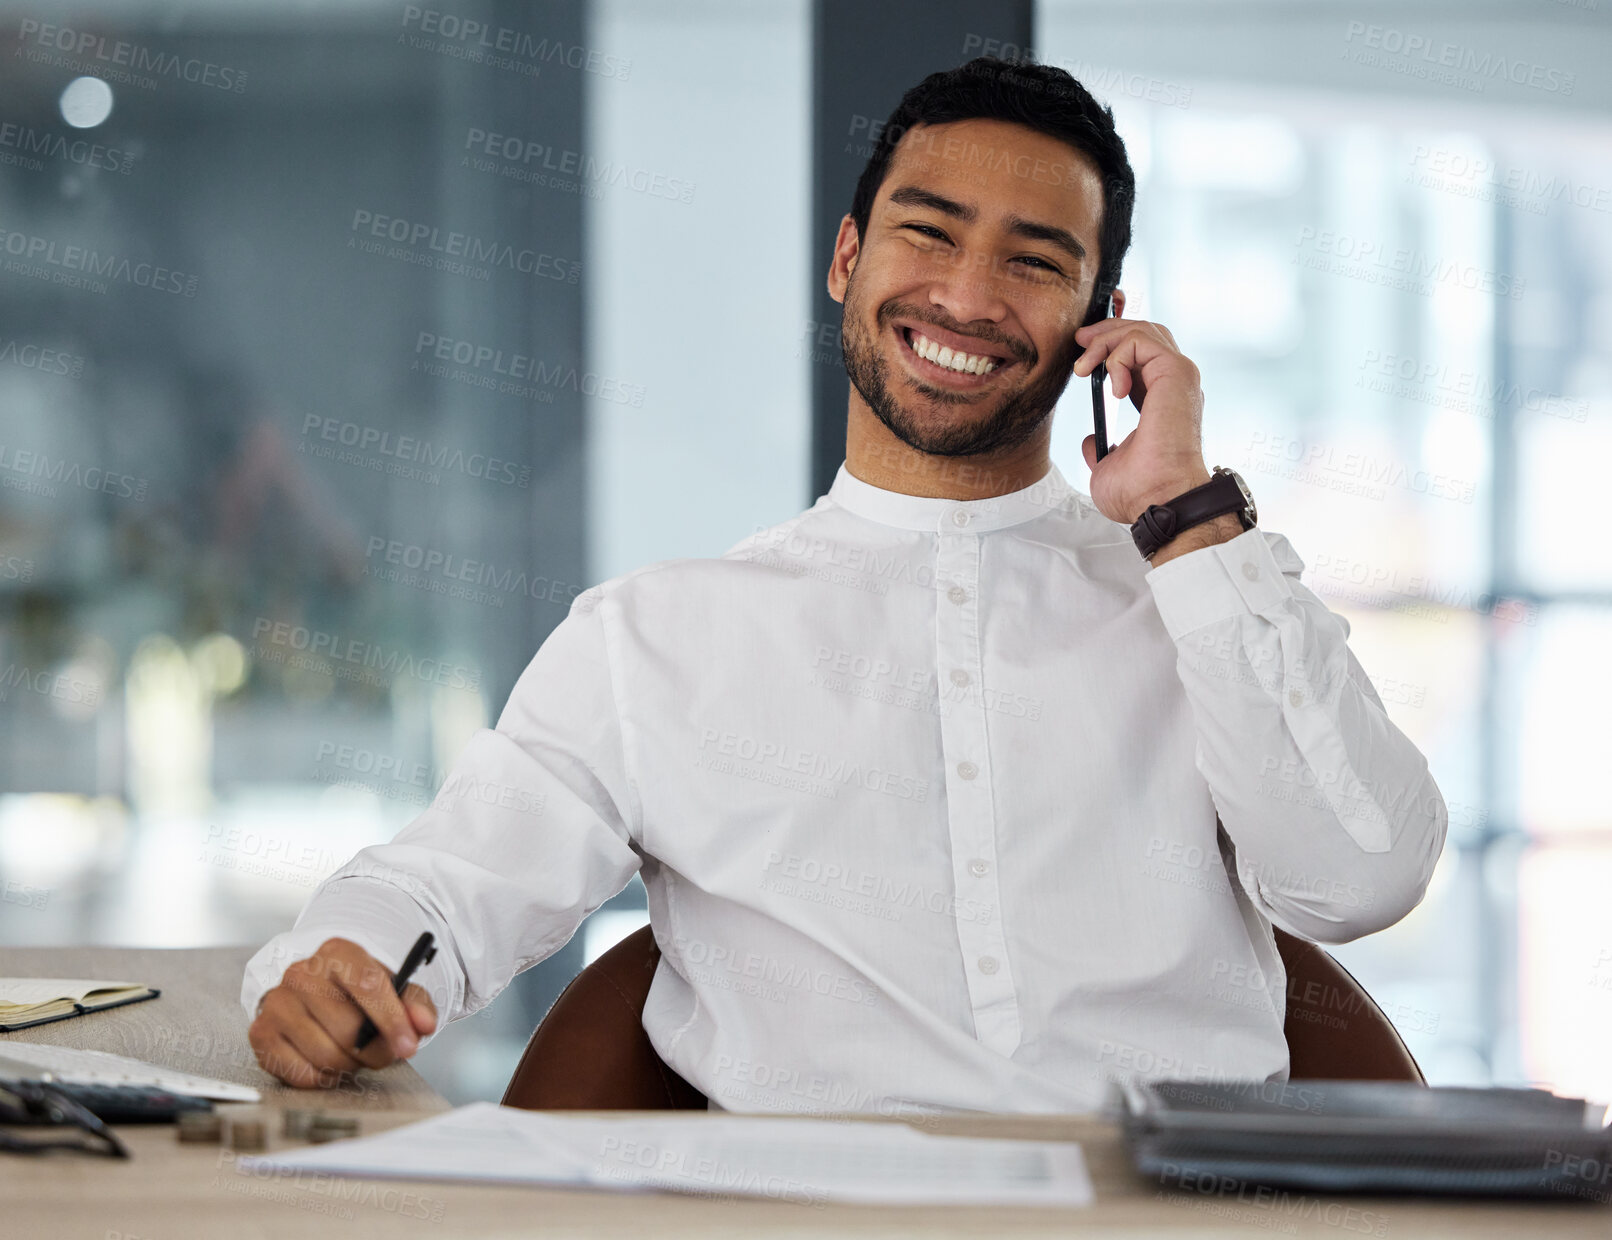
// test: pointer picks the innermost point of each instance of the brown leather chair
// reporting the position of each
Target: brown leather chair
(591, 1052)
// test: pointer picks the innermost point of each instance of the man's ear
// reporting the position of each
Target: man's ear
(1119, 303)
(847, 248)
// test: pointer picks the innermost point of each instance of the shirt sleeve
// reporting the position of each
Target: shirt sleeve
(1334, 817)
(532, 830)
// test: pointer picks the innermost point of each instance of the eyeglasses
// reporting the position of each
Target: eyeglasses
(38, 1103)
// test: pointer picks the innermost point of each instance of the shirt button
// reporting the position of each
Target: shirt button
(979, 869)
(967, 770)
(957, 594)
(1251, 571)
(959, 676)
(1296, 697)
(988, 964)
(960, 517)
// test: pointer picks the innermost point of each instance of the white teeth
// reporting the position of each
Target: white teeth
(974, 364)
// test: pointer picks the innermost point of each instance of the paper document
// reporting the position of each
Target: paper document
(786, 1158)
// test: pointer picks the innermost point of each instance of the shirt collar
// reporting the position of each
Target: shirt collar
(952, 516)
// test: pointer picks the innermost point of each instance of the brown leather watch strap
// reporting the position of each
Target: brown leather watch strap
(1162, 522)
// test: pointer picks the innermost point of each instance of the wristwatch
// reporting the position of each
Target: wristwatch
(1224, 492)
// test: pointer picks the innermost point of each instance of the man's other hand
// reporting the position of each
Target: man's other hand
(306, 1026)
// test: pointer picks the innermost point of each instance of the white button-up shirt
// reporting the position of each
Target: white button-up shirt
(938, 804)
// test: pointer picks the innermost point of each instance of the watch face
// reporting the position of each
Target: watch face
(1248, 497)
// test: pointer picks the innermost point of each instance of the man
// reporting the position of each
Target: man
(944, 796)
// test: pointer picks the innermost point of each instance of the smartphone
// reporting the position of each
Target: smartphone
(1099, 409)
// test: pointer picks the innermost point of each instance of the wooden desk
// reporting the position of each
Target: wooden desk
(169, 1191)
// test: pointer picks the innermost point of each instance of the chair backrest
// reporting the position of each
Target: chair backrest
(591, 1052)
(1335, 1031)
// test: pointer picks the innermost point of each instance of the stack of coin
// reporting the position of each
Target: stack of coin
(201, 1127)
(248, 1135)
(297, 1120)
(332, 1127)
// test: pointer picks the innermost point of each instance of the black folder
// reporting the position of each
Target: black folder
(1366, 1137)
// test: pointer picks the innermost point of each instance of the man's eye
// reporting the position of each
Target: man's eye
(1041, 264)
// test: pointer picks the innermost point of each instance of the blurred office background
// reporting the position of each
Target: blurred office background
(387, 296)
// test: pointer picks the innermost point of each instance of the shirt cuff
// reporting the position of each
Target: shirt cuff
(383, 921)
(1233, 578)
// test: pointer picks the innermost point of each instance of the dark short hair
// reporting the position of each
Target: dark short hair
(1039, 97)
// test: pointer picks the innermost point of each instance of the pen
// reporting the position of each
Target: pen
(422, 952)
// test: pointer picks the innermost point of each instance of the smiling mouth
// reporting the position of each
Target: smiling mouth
(950, 366)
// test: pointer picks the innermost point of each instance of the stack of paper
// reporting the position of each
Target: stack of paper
(791, 1159)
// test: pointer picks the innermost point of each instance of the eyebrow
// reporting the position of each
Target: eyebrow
(914, 196)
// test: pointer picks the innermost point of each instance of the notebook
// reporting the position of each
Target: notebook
(26, 1001)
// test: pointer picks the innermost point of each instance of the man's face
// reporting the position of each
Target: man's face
(982, 237)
